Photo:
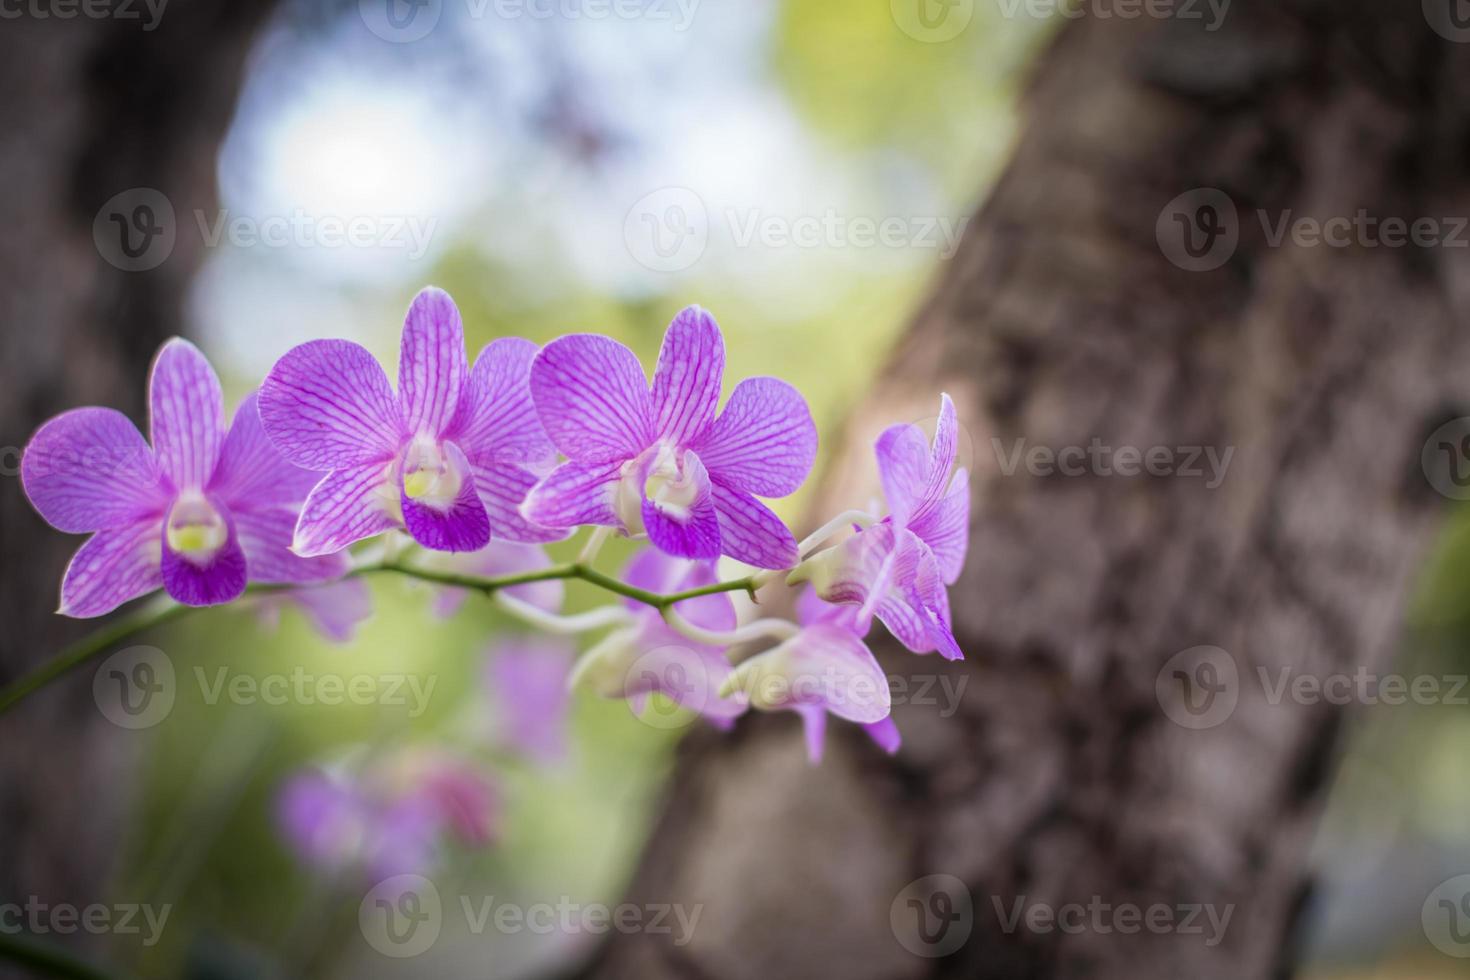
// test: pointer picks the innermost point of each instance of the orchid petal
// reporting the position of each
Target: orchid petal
(686, 381)
(265, 536)
(575, 493)
(903, 467)
(503, 487)
(462, 526)
(252, 474)
(112, 567)
(187, 414)
(348, 505)
(497, 420)
(945, 527)
(823, 666)
(593, 398)
(432, 367)
(751, 533)
(689, 530)
(89, 469)
(327, 405)
(764, 442)
(219, 579)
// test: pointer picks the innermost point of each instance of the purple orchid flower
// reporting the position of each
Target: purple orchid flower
(200, 512)
(527, 681)
(495, 559)
(648, 657)
(824, 669)
(659, 460)
(449, 458)
(390, 818)
(898, 568)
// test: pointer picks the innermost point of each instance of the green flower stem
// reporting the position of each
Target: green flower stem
(162, 611)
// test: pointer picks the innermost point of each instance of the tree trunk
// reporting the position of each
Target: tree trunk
(92, 108)
(1062, 778)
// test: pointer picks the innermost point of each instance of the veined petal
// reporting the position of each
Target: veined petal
(265, 536)
(686, 381)
(941, 454)
(764, 442)
(187, 414)
(327, 405)
(823, 666)
(503, 487)
(348, 505)
(575, 493)
(462, 526)
(945, 527)
(252, 474)
(113, 566)
(432, 367)
(206, 583)
(903, 467)
(689, 529)
(593, 398)
(750, 532)
(634, 662)
(89, 469)
(497, 420)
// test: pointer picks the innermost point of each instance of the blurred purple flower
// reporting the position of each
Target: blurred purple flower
(449, 458)
(334, 609)
(200, 512)
(648, 656)
(898, 568)
(527, 682)
(390, 818)
(659, 460)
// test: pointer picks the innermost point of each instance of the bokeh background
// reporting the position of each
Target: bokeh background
(566, 166)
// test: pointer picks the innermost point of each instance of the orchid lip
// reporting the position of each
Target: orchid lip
(196, 530)
(429, 475)
(658, 476)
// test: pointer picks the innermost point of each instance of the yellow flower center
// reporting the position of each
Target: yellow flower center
(195, 529)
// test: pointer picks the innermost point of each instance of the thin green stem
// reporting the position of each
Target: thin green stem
(159, 612)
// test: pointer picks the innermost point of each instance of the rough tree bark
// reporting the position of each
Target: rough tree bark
(1060, 320)
(92, 107)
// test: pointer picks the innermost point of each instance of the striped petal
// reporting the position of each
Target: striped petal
(432, 368)
(327, 404)
(764, 442)
(115, 565)
(686, 381)
(252, 474)
(461, 526)
(593, 398)
(689, 530)
(750, 532)
(503, 487)
(89, 469)
(575, 493)
(497, 420)
(187, 414)
(265, 536)
(348, 505)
